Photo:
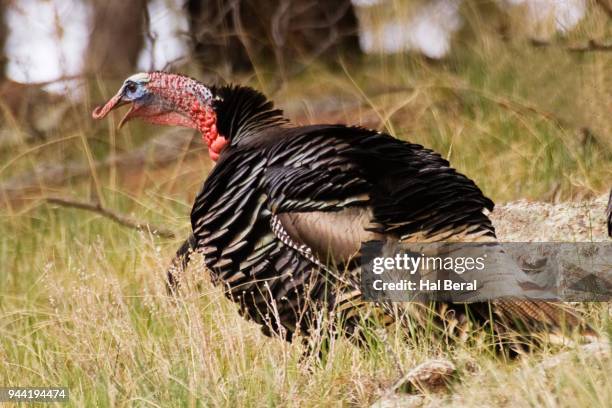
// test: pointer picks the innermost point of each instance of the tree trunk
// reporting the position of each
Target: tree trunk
(237, 34)
(116, 38)
(3, 36)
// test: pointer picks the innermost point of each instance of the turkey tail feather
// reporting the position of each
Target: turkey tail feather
(538, 316)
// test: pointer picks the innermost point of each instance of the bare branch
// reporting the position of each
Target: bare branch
(589, 46)
(120, 219)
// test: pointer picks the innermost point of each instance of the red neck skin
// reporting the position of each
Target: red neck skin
(182, 91)
(205, 120)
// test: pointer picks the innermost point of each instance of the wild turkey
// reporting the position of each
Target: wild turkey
(281, 217)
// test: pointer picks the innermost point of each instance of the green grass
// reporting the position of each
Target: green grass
(83, 303)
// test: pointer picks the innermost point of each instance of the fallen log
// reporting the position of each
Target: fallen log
(161, 150)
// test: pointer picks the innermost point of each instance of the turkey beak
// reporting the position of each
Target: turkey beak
(116, 101)
(127, 116)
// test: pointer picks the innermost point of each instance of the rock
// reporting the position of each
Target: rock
(523, 221)
(597, 350)
(399, 401)
(430, 375)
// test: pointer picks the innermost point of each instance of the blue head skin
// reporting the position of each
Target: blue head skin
(134, 90)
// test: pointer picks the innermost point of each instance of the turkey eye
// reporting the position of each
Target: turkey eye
(131, 87)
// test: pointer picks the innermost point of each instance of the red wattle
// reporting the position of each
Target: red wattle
(218, 144)
(206, 120)
(213, 155)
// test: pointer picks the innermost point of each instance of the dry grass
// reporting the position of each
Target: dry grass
(83, 304)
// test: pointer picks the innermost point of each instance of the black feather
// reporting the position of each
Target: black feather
(243, 111)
